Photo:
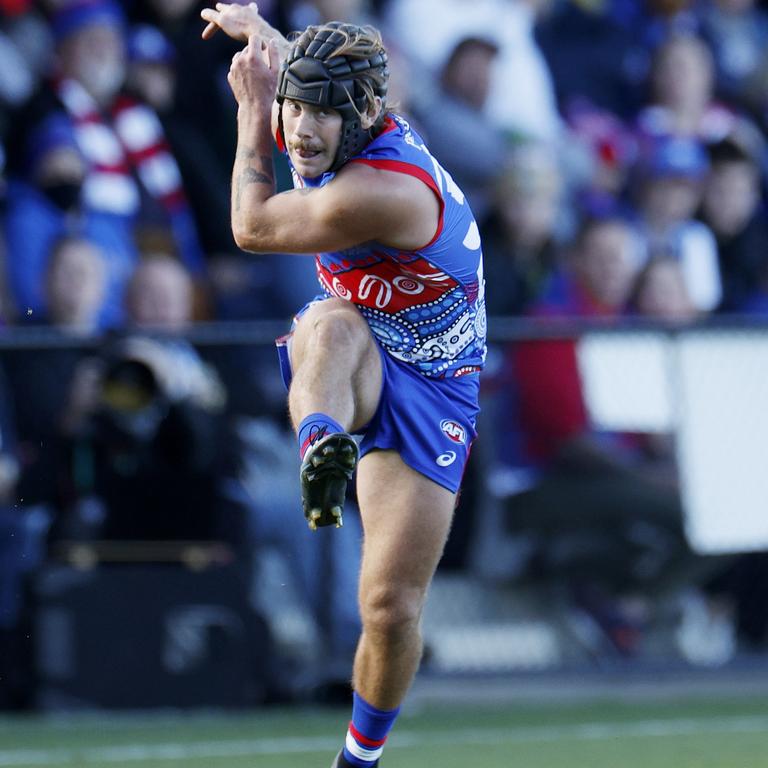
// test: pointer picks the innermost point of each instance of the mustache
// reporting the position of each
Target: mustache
(305, 146)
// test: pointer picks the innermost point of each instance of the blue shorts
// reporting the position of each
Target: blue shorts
(429, 422)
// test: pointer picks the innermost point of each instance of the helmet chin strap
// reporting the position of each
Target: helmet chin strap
(354, 139)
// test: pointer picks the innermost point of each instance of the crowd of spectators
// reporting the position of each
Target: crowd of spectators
(613, 151)
(116, 126)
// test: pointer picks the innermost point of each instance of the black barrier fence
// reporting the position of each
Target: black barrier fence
(153, 546)
(500, 329)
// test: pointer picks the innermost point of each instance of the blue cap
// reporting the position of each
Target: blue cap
(149, 44)
(53, 132)
(75, 15)
(676, 156)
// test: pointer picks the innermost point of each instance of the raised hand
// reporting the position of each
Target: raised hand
(253, 73)
(240, 22)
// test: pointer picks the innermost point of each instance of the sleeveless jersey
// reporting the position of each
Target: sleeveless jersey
(424, 307)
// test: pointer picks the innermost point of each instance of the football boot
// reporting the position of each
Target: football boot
(326, 469)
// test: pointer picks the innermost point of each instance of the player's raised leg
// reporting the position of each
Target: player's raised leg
(406, 520)
(336, 386)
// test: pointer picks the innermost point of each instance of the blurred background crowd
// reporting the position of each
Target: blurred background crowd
(614, 154)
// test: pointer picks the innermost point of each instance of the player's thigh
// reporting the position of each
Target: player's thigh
(367, 374)
(406, 520)
(304, 336)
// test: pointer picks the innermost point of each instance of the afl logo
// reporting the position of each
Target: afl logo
(453, 431)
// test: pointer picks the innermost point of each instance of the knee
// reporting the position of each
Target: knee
(390, 611)
(339, 325)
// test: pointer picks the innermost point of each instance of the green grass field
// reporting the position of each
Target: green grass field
(687, 733)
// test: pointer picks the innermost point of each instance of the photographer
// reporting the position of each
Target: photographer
(143, 445)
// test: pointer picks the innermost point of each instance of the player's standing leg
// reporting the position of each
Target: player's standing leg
(406, 520)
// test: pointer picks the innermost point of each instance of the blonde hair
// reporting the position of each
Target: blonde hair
(358, 42)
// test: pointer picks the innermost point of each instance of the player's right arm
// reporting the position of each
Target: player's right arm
(360, 205)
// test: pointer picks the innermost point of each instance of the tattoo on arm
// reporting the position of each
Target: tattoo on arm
(251, 175)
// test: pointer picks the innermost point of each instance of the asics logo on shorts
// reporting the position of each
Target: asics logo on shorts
(446, 459)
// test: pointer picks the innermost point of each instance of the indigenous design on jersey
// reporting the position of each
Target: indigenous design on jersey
(425, 307)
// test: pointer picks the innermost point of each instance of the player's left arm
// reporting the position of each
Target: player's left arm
(241, 22)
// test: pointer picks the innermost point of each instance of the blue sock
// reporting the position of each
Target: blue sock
(313, 428)
(367, 732)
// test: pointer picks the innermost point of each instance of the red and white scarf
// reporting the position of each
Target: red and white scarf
(129, 138)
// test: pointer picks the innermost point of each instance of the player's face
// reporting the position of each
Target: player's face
(312, 135)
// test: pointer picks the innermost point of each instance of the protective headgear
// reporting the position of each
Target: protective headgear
(311, 74)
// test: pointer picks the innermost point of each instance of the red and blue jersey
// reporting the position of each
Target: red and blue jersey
(424, 307)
